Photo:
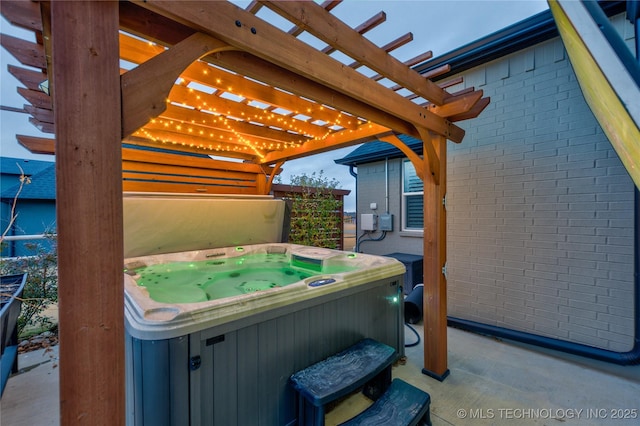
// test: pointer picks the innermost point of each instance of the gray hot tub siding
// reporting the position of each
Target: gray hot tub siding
(246, 363)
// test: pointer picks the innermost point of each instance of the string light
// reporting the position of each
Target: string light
(288, 122)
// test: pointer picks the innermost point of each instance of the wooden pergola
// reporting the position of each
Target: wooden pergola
(137, 89)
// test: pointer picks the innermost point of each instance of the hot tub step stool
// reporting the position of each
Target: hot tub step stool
(402, 404)
(367, 365)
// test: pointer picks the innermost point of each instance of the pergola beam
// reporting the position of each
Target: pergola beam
(457, 104)
(363, 28)
(408, 152)
(89, 212)
(136, 51)
(344, 138)
(435, 257)
(263, 40)
(200, 123)
(340, 36)
(141, 101)
(290, 81)
(225, 107)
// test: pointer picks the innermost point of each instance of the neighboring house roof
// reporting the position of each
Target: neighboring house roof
(373, 151)
(42, 186)
(9, 166)
(523, 34)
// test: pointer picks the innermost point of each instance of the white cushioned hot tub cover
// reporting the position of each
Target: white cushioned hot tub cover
(168, 223)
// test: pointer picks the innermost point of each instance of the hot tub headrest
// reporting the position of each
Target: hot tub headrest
(169, 223)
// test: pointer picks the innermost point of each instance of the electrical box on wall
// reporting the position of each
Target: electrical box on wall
(368, 222)
(386, 222)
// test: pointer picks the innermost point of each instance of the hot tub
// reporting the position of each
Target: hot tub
(219, 347)
(175, 294)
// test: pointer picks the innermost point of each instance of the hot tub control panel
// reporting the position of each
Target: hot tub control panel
(321, 282)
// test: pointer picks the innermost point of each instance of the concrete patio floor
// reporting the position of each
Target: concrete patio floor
(492, 382)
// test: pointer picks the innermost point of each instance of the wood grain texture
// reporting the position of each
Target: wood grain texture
(89, 212)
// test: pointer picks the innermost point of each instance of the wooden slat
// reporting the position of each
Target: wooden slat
(30, 78)
(205, 101)
(279, 77)
(451, 82)
(239, 85)
(389, 47)
(457, 105)
(40, 114)
(437, 71)
(37, 145)
(410, 62)
(265, 41)
(186, 179)
(214, 175)
(158, 163)
(327, 5)
(28, 53)
(253, 7)
(187, 161)
(363, 28)
(134, 186)
(473, 112)
(334, 32)
(217, 129)
(36, 98)
(186, 149)
(137, 51)
(344, 138)
(42, 126)
(12, 109)
(431, 74)
(142, 101)
(25, 14)
(234, 148)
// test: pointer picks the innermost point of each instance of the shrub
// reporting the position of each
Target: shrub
(41, 288)
(315, 212)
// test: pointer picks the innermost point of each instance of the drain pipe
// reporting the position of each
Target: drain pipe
(631, 357)
(354, 174)
(386, 184)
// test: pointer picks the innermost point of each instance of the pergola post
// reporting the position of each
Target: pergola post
(86, 97)
(435, 257)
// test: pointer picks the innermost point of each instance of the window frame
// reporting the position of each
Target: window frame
(404, 198)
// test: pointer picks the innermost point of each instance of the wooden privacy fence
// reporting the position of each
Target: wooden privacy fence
(328, 225)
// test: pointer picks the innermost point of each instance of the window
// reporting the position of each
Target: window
(412, 199)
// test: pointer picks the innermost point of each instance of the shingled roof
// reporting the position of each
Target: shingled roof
(42, 174)
(12, 166)
(374, 151)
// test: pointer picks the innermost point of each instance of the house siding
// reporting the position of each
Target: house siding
(375, 181)
(540, 210)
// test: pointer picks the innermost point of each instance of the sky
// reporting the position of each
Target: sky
(437, 25)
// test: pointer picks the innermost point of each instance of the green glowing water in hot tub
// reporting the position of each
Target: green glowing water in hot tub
(188, 282)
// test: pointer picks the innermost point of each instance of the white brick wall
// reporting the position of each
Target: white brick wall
(540, 209)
